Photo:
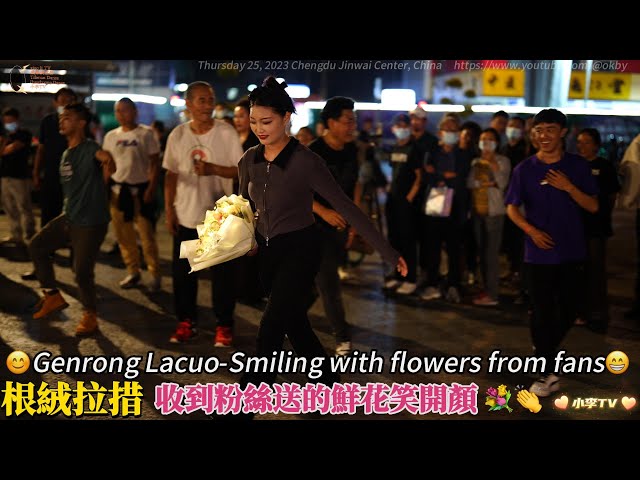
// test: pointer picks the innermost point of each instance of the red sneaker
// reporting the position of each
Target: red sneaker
(224, 337)
(185, 332)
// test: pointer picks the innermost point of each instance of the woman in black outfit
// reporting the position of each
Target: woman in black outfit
(280, 176)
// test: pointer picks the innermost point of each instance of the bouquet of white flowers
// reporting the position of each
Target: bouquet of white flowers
(227, 233)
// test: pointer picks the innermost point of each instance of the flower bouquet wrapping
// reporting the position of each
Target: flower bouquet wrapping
(227, 233)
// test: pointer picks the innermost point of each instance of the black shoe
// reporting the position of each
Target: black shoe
(31, 275)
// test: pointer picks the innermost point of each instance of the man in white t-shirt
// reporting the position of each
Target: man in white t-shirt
(629, 198)
(136, 152)
(201, 159)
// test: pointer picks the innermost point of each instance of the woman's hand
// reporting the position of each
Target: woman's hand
(402, 267)
(333, 218)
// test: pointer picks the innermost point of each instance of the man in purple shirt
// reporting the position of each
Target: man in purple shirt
(553, 186)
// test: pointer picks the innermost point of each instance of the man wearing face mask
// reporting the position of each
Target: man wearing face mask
(14, 170)
(448, 166)
(400, 210)
(51, 145)
(516, 150)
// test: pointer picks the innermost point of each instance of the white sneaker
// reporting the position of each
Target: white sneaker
(430, 293)
(407, 288)
(545, 385)
(343, 348)
(130, 281)
(391, 284)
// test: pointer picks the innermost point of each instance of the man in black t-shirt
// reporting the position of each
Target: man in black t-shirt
(50, 149)
(425, 144)
(337, 148)
(401, 208)
(594, 310)
(516, 150)
(14, 170)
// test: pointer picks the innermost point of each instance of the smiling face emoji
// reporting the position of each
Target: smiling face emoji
(617, 362)
(18, 362)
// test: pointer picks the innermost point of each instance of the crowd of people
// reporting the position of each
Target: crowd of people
(468, 191)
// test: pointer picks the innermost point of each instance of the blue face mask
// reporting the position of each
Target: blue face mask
(514, 133)
(450, 138)
(402, 133)
(487, 145)
(11, 127)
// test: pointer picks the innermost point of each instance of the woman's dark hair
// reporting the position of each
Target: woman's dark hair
(244, 103)
(593, 133)
(473, 127)
(272, 94)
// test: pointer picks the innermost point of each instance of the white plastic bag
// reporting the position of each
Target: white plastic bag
(439, 202)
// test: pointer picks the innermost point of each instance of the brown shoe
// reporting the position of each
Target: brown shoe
(50, 303)
(88, 324)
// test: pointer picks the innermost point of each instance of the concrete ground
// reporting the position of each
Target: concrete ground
(134, 322)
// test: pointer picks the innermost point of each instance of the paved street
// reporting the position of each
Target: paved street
(134, 322)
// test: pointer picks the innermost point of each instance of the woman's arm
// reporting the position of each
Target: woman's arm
(323, 182)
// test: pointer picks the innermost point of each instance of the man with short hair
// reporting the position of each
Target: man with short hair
(448, 167)
(201, 160)
(401, 209)
(425, 144)
(14, 170)
(51, 145)
(516, 150)
(629, 198)
(339, 151)
(554, 187)
(133, 190)
(499, 121)
(83, 223)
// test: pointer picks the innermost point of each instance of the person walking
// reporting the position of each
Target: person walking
(281, 176)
